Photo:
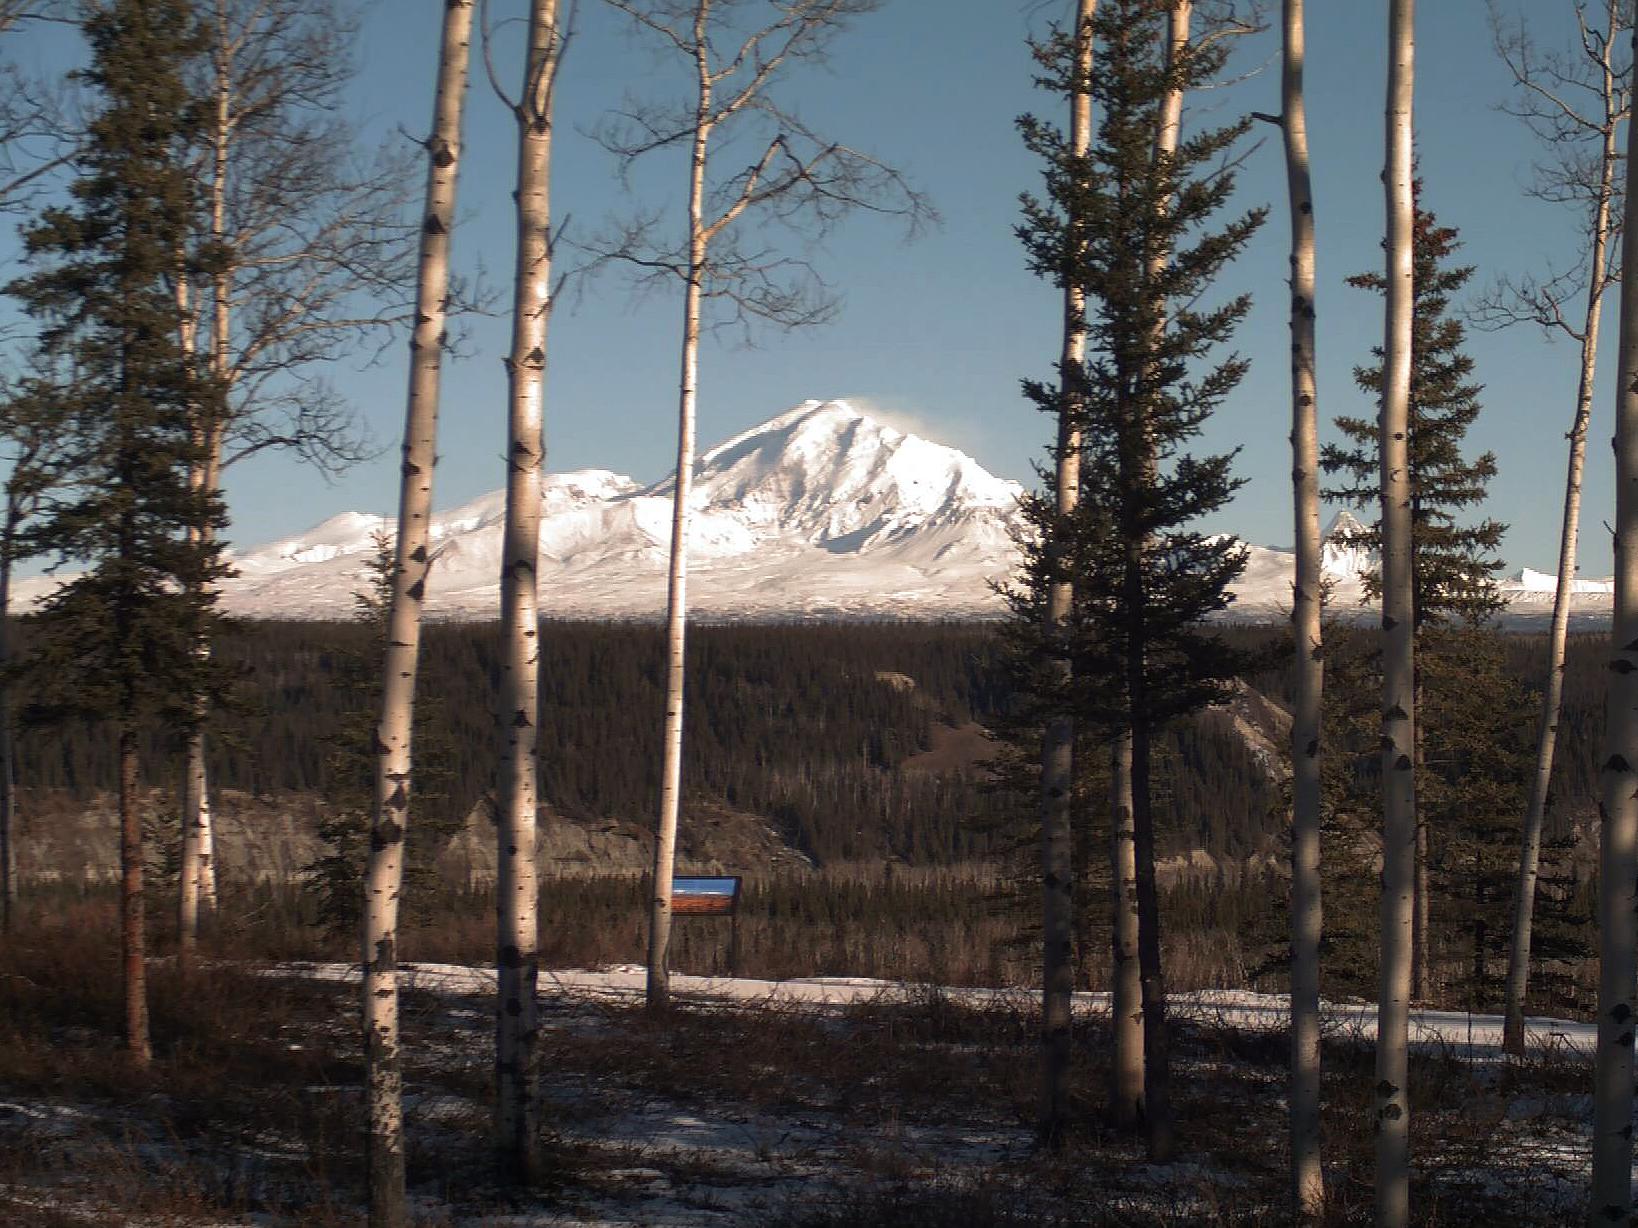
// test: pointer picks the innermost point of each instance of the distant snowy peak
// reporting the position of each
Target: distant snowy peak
(1531, 583)
(343, 534)
(355, 533)
(1343, 559)
(819, 512)
(830, 475)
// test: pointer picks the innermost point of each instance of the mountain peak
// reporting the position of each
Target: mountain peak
(1345, 559)
(1343, 523)
(832, 475)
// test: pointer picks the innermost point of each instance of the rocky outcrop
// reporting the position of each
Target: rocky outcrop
(272, 839)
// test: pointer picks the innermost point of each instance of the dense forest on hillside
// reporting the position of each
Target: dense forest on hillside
(808, 725)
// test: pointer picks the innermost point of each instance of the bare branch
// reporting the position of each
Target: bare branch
(488, 34)
(1573, 102)
(797, 182)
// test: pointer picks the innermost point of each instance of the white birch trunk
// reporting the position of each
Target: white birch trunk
(1398, 646)
(517, 891)
(1058, 741)
(676, 617)
(221, 367)
(1611, 1201)
(412, 563)
(1307, 1173)
(1125, 985)
(187, 908)
(197, 876)
(1552, 694)
(195, 825)
(207, 844)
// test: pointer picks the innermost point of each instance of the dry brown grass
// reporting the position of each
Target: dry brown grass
(912, 1110)
(251, 1104)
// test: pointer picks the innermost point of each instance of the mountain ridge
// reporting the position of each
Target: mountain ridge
(820, 512)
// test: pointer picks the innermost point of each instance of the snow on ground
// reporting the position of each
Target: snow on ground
(1479, 1036)
(675, 1160)
(762, 1101)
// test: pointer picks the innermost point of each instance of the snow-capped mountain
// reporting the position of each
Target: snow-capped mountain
(820, 512)
(1343, 559)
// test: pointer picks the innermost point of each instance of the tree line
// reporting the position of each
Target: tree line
(809, 726)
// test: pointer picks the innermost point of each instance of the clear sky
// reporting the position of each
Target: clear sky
(939, 332)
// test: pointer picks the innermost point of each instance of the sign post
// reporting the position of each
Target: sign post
(713, 896)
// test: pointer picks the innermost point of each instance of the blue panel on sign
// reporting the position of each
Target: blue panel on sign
(701, 896)
(704, 886)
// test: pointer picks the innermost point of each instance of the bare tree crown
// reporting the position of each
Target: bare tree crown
(781, 174)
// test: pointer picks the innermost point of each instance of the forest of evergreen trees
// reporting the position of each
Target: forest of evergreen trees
(802, 724)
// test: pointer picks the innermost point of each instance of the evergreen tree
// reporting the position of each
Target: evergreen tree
(118, 642)
(1131, 230)
(1453, 565)
(334, 878)
(1477, 718)
(1471, 779)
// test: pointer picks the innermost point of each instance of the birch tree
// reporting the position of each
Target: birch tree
(302, 256)
(517, 888)
(1058, 742)
(1134, 742)
(1307, 1173)
(728, 255)
(411, 564)
(1611, 1201)
(38, 129)
(1574, 103)
(1126, 1059)
(1398, 643)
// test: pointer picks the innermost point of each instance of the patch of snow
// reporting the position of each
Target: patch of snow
(1237, 1008)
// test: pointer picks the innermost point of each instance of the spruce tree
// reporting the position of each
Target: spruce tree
(1133, 231)
(117, 644)
(1453, 564)
(333, 878)
(1476, 732)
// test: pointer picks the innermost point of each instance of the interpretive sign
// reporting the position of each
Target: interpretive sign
(716, 896)
(705, 897)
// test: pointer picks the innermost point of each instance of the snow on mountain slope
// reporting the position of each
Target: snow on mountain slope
(820, 512)
(1343, 559)
(1530, 583)
(826, 474)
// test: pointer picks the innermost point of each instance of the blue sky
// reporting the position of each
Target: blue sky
(940, 331)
